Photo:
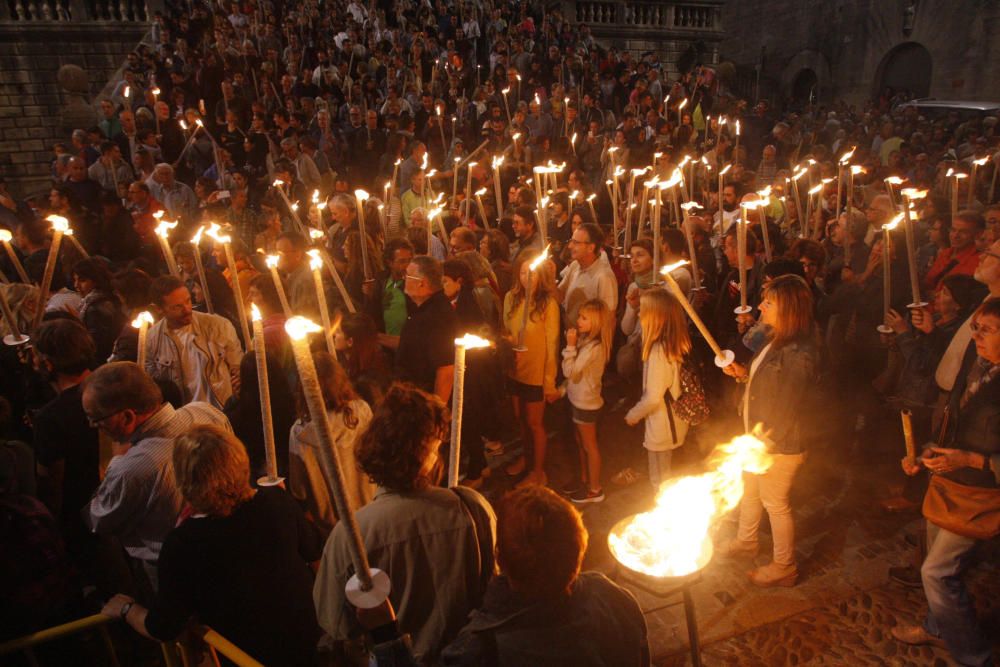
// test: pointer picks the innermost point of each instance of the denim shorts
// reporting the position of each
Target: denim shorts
(585, 416)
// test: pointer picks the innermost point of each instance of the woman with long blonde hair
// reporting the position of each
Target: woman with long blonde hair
(778, 381)
(533, 378)
(665, 342)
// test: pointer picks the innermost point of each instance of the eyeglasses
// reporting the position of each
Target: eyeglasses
(96, 421)
(980, 330)
(410, 276)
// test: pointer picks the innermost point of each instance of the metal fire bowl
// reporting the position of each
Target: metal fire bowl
(659, 586)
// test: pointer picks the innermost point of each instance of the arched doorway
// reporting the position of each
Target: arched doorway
(906, 67)
(805, 87)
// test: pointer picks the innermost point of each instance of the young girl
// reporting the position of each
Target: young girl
(665, 341)
(588, 348)
(533, 378)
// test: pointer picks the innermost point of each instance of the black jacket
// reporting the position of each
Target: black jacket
(780, 391)
(976, 427)
(598, 624)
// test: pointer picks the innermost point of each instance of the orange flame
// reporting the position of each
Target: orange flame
(674, 538)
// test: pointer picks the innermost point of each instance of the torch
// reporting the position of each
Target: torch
(15, 337)
(528, 293)
(367, 587)
(765, 199)
(272, 264)
(806, 225)
(162, 234)
(5, 239)
(466, 342)
(234, 279)
(482, 211)
(498, 191)
(957, 175)
(260, 356)
(741, 238)
(910, 195)
(335, 274)
(911, 447)
(976, 164)
(316, 264)
(689, 235)
(142, 322)
(844, 160)
(593, 213)
(361, 196)
(722, 179)
(886, 269)
(59, 227)
(196, 241)
(722, 357)
(889, 183)
(76, 244)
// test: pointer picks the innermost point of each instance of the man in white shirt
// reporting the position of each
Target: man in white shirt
(198, 352)
(589, 275)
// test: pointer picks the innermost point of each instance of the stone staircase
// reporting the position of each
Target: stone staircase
(38, 106)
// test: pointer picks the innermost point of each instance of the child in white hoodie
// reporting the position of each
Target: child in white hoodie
(588, 348)
(665, 341)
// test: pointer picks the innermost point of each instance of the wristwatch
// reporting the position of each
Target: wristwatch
(126, 608)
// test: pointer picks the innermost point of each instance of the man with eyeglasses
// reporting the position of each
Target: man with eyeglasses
(426, 351)
(962, 257)
(138, 502)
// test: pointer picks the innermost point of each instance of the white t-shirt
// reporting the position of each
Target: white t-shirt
(193, 361)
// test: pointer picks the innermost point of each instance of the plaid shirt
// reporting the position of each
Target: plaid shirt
(138, 501)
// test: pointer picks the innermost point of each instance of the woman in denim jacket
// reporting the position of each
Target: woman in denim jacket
(778, 381)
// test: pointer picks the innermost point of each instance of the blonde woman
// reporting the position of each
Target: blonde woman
(665, 341)
(778, 381)
(533, 378)
(349, 417)
(239, 564)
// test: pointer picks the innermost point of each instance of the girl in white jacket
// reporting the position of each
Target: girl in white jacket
(588, 348)
(665, 341)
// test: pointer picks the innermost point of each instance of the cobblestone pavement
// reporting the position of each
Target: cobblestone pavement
(844, 605)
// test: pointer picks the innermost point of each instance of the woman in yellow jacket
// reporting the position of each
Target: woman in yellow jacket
(536, 341)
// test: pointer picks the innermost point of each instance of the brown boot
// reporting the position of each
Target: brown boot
(773, 574)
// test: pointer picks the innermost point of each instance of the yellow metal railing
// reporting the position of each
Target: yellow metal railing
(99, 622)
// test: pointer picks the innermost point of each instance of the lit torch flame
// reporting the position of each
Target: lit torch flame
(315, 261)
(298, 327)
(61, 224)
(255, 313)
(271, 261)
(541, 258)
(674, 539)
(894, 222)
(144, 316)
(471, 342)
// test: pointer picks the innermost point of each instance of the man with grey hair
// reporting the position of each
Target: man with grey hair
(177, 198)
(426, 351)
(138, 502)
(305, 167)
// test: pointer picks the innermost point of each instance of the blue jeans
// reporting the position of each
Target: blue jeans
(951, 614)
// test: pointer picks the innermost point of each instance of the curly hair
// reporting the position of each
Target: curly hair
(404, 432)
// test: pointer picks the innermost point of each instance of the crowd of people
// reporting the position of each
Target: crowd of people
(403, 174)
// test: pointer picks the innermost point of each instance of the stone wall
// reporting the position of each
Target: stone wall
(846, 42)
(32, 103)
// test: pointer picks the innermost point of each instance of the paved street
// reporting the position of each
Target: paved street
(844, 606)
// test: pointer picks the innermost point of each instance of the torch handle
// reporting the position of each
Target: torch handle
(22, 274)
(337, 280)
(241, 308)
(330, 459)
(286, 308)
(50, 268)
(457, 398)
(911, 448)
(693, 314)
(201, 279)
(260, 354)
(8, 315)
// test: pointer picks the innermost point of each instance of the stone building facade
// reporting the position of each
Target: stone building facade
(851, 49)
(36, 40)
